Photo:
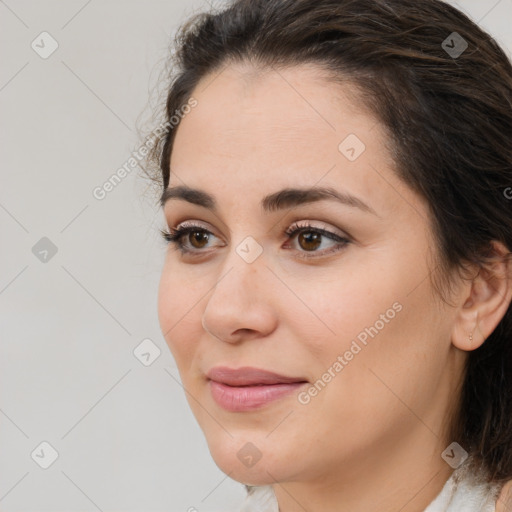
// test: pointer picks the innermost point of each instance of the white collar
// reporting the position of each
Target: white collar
(462, 492)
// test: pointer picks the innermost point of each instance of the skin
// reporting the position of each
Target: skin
(504, 503)
(375, 432)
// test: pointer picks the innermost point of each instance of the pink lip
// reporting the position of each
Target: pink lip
(247, 388)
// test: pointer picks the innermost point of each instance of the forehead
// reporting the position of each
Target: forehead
(243, 104)
(265, 129)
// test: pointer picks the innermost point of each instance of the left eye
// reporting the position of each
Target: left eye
(309, 239)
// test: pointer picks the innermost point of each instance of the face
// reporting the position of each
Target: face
(331, 297)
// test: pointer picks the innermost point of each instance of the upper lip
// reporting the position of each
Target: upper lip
(248, 376)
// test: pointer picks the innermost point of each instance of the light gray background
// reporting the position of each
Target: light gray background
(125, 437)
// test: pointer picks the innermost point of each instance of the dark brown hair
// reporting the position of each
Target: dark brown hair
(448, 119)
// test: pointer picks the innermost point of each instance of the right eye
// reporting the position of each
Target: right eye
(175, 236)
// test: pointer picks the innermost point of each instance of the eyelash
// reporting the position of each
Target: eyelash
(174, 237)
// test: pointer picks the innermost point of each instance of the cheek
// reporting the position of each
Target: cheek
(381, 319)
(351, 308)
(178, 311)
(393, 351)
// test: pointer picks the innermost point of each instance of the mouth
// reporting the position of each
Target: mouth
(247, 388)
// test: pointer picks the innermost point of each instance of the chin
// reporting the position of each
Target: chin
(248, 458)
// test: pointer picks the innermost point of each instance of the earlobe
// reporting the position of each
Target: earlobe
(486, 302)
(466, 335)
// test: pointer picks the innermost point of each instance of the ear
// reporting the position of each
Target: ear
(485, 301)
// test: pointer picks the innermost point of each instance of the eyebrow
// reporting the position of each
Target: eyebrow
(280, 200)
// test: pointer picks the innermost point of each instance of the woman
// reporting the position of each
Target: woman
(337, 287)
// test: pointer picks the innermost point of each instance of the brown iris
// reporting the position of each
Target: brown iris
(197, 236)
(310, 238)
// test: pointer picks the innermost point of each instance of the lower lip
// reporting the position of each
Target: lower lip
(247, 398)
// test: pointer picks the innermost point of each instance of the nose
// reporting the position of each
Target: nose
(241, 305)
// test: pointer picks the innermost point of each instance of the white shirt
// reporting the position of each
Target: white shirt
(462, 492)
